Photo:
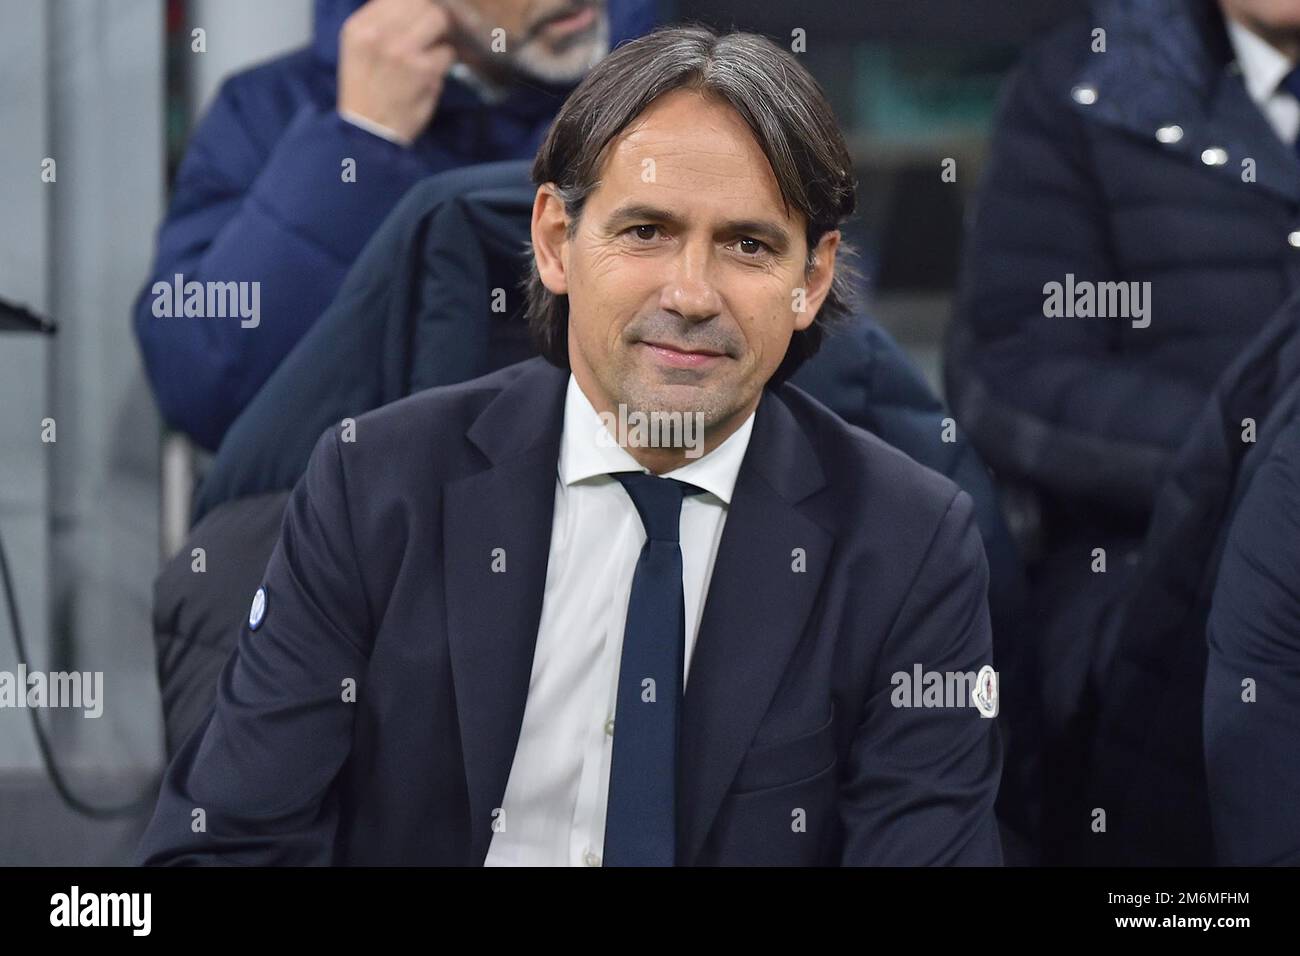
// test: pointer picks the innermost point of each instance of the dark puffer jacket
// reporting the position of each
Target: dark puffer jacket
(1252, 685)
(1144, 163)
(1147, 766)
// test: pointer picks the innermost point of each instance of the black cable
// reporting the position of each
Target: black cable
(136, 807)
(22, 319)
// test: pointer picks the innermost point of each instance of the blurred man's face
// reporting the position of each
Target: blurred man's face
(556, 41)
(1265, 17)
(686, 274)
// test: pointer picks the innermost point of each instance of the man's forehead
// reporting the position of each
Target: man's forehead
(691, 148)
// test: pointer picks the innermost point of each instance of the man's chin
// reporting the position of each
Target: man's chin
(565, 60)
(711, 400)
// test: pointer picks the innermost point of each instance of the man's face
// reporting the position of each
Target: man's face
(556, 41)
(686, 273)
(1265, 16)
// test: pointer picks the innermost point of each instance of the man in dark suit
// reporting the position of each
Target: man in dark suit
(508, 623)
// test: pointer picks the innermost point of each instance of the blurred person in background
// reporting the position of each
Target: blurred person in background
(1150, 144)
(402, 88)
(1252, 685)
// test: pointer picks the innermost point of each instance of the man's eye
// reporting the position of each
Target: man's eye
(645, 233)
(751, 247)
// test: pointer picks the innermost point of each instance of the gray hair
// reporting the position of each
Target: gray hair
(778, 99)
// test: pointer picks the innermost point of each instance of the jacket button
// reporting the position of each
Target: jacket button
(1169, 134)
(1214, 156)
(1294, 239)
(1084, 95)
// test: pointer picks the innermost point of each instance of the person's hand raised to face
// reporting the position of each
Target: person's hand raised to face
(393, 59)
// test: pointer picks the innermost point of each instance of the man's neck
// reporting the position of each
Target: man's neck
(660, 461)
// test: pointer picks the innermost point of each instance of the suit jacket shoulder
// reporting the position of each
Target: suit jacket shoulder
(862, 471)
(431, 434)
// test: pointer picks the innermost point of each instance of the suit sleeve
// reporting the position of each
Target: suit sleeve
(1252, 681)
(284, 219)
(1054, 401)
(254, 783)
(922, 780)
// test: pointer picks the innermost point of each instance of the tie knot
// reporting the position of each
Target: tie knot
(658, 501)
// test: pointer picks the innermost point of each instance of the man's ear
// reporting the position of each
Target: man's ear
(550, 234)
(818, 278)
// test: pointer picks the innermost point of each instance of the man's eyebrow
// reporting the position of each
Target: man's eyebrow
(641, 212)
(769, 232)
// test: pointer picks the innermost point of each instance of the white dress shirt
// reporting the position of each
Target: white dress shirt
(555, 799)
(1263, 67)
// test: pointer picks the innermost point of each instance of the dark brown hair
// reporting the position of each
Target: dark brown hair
(772, 92)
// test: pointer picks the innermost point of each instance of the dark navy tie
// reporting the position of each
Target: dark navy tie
(1291, 83)
(641, 814)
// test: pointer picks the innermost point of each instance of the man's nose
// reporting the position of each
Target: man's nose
(690, 290)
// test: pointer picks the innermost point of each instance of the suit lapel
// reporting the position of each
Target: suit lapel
(754, 615)
(755, 612)
(493, 613)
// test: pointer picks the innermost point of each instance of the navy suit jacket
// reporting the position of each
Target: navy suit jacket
(372, 718)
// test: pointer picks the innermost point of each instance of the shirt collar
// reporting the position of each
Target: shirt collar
(585, 454)
(1263, 66)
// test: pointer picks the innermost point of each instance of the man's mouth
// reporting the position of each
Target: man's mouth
(681, 357)
(569, 21)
